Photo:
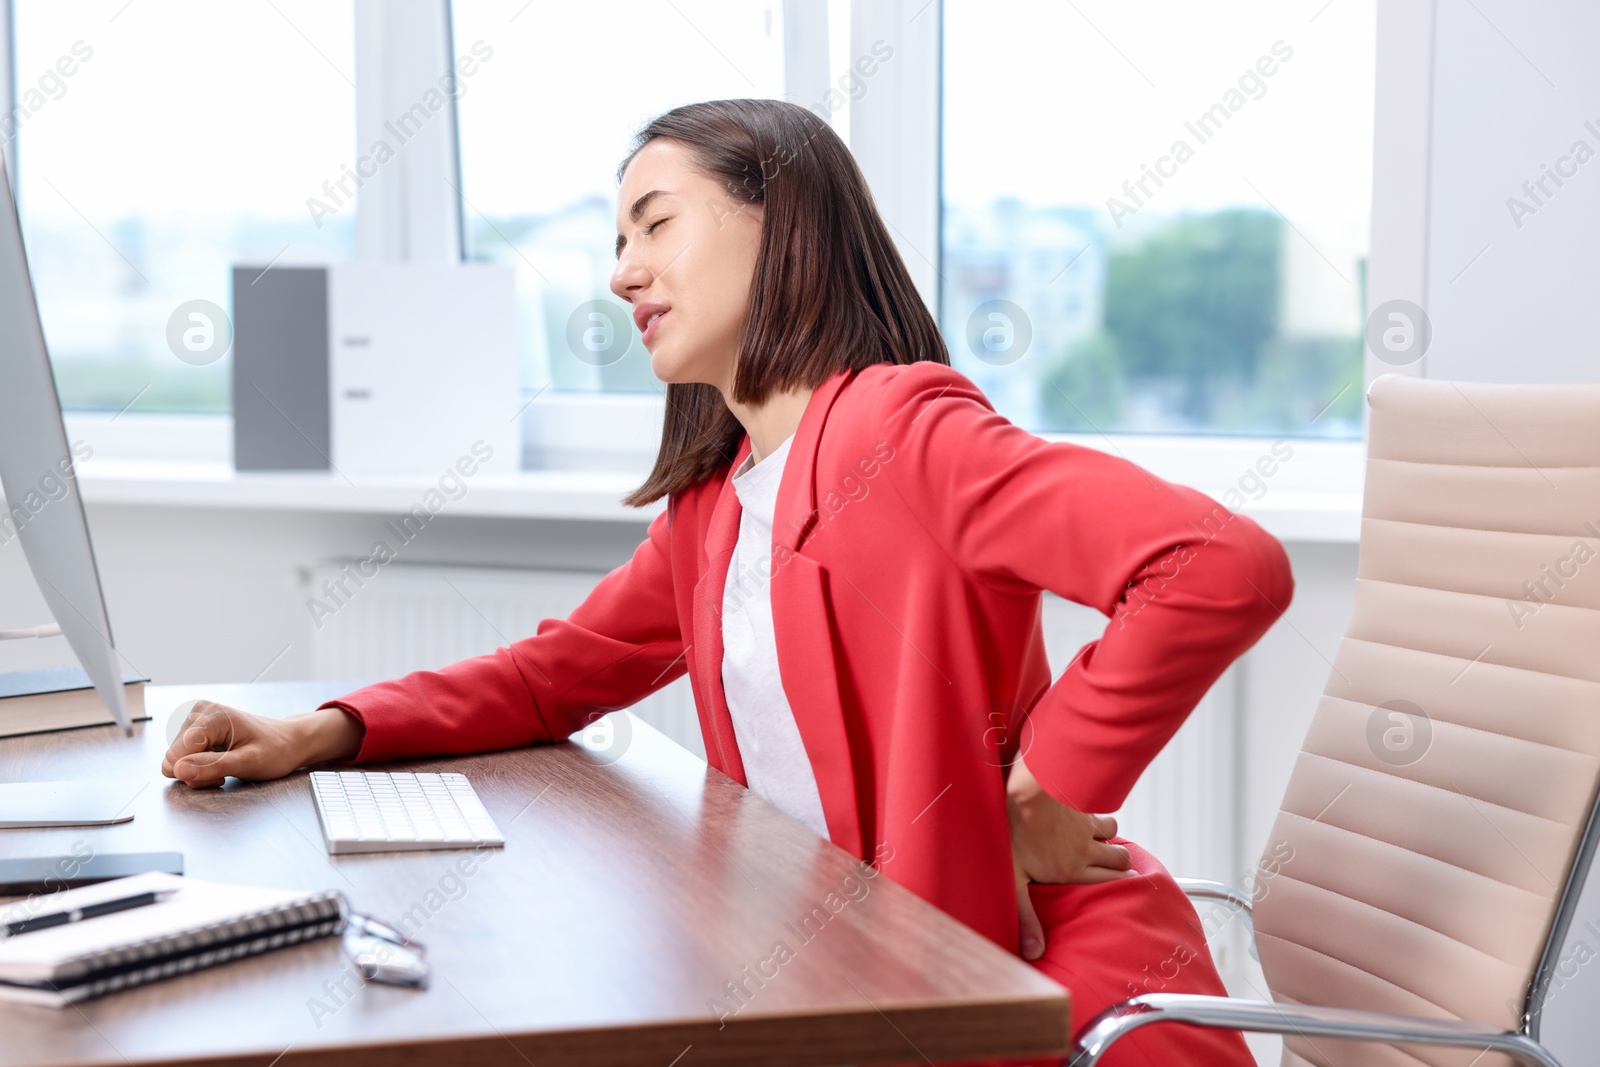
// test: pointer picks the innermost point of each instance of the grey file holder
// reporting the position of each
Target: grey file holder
(281, 414)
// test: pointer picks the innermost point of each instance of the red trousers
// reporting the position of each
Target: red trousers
(1108, 943)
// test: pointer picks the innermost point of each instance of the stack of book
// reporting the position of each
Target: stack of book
(60, 698)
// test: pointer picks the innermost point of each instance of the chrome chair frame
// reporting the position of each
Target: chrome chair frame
(1266, 1017)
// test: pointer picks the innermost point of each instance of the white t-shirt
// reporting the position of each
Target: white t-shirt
(775, 761)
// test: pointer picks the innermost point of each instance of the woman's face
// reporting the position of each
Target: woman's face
(686, 253)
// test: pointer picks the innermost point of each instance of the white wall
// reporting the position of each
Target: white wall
(1515, 87)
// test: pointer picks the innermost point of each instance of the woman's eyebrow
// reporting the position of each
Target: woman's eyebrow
(637, 211)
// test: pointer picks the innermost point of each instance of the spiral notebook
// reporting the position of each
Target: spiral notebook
(201, 925)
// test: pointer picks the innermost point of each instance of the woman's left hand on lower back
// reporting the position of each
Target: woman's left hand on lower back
(1055, 844)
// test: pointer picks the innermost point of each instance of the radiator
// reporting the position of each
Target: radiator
(412, 617)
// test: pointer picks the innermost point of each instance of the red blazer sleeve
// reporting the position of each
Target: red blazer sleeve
(621, 644)
(1187, 586)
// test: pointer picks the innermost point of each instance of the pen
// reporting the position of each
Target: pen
(88, 911)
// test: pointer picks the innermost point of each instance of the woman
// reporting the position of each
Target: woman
(850, 570)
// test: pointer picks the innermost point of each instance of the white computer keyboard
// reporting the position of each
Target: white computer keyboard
(379, 811)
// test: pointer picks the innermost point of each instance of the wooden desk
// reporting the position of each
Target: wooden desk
(634, 885)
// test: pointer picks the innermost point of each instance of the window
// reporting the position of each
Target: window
(1155, 217)
(544, 124)
(1092, 276)
(157, 144)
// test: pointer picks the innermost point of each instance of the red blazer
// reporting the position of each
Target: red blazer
(915, 530)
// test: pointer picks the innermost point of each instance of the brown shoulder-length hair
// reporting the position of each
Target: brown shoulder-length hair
(830, 292)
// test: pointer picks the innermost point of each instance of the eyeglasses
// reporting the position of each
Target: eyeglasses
(383, 954)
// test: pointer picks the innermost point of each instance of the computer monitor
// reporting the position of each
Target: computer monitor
(38, 475)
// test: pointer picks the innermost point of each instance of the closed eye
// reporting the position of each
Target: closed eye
(648, 230)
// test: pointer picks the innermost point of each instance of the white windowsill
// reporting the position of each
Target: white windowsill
(591, 495)
(184, 462)
(573, 495)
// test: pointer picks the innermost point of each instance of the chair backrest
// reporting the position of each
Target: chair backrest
(1426, 840)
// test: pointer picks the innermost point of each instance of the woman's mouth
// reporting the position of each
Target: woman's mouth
(652, 324)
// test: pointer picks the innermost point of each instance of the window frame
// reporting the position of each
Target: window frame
(896, 130)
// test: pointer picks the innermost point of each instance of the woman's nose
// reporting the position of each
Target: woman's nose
(629, 278)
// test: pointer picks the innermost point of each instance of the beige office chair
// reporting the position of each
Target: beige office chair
(1441, 816)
